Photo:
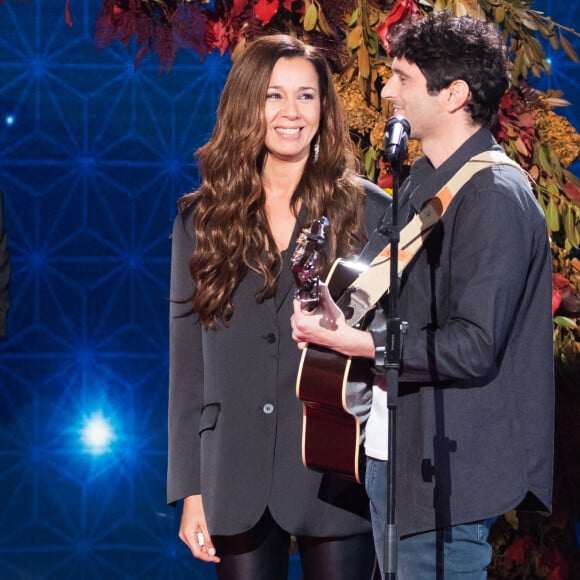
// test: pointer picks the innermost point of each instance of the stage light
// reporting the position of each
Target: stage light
(97, 434)
(9, 120)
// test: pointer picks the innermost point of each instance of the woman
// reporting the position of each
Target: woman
(279, 157)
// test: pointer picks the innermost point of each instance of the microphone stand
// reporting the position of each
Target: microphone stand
(395, 330)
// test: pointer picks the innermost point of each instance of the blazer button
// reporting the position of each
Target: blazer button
(268, 408)
(270, 338)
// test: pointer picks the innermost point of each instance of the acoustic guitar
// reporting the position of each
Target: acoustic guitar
(335, 389)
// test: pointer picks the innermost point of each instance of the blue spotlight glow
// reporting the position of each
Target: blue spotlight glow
(9, 120)
(97, 434)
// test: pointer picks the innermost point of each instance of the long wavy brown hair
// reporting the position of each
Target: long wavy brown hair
(231, 228)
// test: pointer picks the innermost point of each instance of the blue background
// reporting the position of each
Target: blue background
(93, 157)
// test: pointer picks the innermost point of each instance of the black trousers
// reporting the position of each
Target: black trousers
(262, 554)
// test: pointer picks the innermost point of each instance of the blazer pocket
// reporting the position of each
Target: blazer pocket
(209, 417)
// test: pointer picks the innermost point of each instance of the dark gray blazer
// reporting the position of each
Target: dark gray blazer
(234, 421)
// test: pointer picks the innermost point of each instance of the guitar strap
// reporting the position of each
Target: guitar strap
(373, 282)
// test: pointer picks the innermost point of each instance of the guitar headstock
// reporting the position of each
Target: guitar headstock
(309, 245)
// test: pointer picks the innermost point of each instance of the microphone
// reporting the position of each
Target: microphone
(397, 132)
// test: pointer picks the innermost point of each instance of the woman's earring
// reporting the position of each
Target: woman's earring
(316, 149)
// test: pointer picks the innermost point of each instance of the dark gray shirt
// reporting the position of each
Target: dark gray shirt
(476, 394)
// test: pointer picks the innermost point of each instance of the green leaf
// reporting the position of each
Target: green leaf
(565, 322)
(571, 228)
(553, 189)
(543, 160)
(310, 18)
(369, 162)
(552, 216)
(542, 202)
(354, 17)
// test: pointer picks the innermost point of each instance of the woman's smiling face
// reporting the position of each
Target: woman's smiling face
(292, 109)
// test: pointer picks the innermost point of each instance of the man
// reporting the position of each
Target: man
(475, 405)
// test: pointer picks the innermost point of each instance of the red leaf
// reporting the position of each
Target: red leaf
(67, 13)
(217, 36)
(526, 119)
(557, 574)
(516, 551)
(265, 10)
(556, 300)
(238, 7)
(556, 563)
(287, 5)
(560, 282)
(382, 30)
(385, 181)
(572, 191)
(506, 101)
(399, 11)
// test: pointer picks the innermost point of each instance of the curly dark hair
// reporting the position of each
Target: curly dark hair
(232, 235)
(447, 48)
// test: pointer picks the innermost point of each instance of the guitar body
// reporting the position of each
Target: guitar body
(336, 391)
(336, 394)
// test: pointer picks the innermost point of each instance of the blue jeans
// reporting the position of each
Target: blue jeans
(458, 552)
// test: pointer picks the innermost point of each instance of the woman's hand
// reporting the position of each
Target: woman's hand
(326, 326)
(193, 530)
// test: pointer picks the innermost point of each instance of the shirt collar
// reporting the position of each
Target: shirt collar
(429, 180)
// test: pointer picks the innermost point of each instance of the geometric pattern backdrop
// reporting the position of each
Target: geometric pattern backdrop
(93, 157)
